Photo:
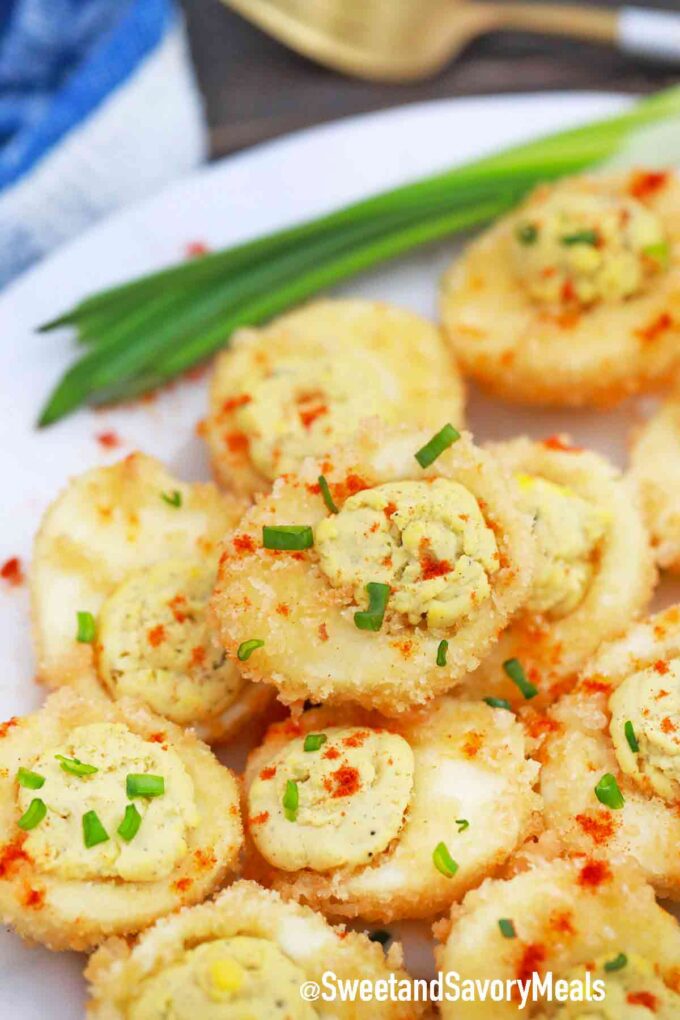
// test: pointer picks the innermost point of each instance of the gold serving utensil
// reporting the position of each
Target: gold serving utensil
(402, 40)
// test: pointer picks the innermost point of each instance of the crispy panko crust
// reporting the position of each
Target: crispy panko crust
(580, 750)
(553, 651)
(312, 647)
(78, 914)
(420, 381)
(116, 970)
(471, 762)
(655, 470)
(566, 914)
(524, 354)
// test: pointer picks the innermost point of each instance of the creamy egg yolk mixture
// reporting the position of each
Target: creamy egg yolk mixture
(650, 700)
(237, 978)
(427, 540)
(57, 844)
(302, 406)
(578, 249)
(567, 531)
(155, 644)
(633, 992)
(352, 794)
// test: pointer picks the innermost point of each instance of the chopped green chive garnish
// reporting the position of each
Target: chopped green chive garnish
(326, 493)
(607, 792)
(33, 815)
(87, 628)
(513, 668)
(287, 536)
(173, 498)
(29, 780)
(507, 928)
(428, 454)
(498, 703)
(372, 618)
(462, 824)
(630, 737)
(443, 861)
(659, 253)
(291, 799)
(527, 233)
(313, 741)
(140, 784)
(75, 767)
(441, 653)
(93, 830)
(246, 648)
(129, 827)
(618, 963)
(381, 936)
(590, 237)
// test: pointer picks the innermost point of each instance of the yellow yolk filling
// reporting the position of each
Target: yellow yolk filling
(568, 531)
(57, 844)
(650, 700)
(236, 978)
(428, 541)
(353, 793)
(155, 644)
(578, 249)
(633, 992)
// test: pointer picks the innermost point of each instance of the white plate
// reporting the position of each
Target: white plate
(272, 185)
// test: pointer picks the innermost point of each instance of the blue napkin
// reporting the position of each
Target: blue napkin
(98, 107)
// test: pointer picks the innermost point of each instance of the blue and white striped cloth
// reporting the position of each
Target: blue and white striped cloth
(98, 107)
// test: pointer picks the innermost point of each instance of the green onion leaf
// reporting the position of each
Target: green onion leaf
(246, 648)
(141, 784)
(326, 493)
(441, 653)
(87, 629)
(372, 618)
(443, 861)
(507, 928)
(527, 233)
(630, 737)
(287, 536)
(75, 767)
(313, 741)
(129, 827)
(607, 792)
(513, 668)
(30, 780)
(443, 439)
(658, 253)
(381, 936)
(93, 830)
(462, 824)
(618, 963)
(498, 703)
(33, 815)
(173, 498)
(590, 237)
(291, 800)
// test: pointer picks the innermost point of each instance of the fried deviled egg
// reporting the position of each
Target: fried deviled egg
(360, 816)
(573, 299)
(611, 777)
(301, 385)
(593, 570)
(592, 935)
(655, 469)
(123, 569)
(110, 817)
(369, 577)
(248, 955)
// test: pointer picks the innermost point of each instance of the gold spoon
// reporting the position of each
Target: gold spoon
(401, 40)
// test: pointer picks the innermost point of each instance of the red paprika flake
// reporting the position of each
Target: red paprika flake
(11, 571)
(108, 440)
(194, 249)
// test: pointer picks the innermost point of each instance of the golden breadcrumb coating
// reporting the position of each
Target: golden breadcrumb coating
(655, 470)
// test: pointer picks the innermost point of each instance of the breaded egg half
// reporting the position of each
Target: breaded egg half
(655, 469)
(302, 384)
(247, 954)
(110, 817)
(135, 550)
(395, 596)
(391, 819)
(611, 776)
(612, 951)
(593, 574)
(573, 299)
